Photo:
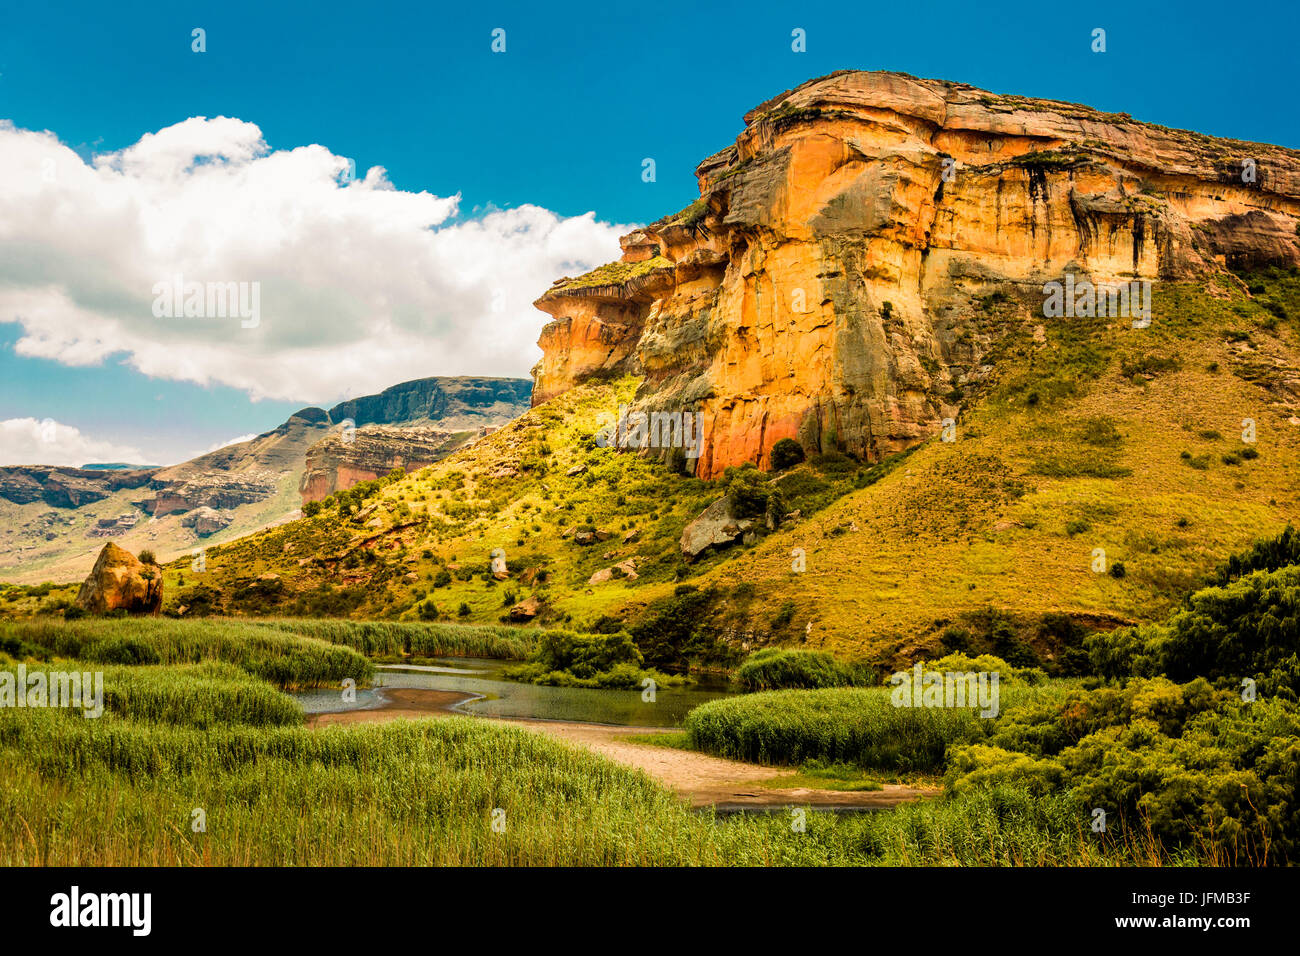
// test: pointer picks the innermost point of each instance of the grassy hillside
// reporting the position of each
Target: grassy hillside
(1089, 434)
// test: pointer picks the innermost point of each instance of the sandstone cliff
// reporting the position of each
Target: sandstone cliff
(343, 459)
(826, 285)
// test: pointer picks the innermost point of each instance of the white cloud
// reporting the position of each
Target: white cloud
(223, 444)
(29, 441)
(362, 285)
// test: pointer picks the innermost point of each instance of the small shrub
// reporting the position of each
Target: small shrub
(784, 615)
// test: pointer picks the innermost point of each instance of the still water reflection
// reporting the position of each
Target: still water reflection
(496, 697)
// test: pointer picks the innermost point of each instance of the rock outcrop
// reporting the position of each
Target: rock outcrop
(345, 458)
(112, 527)
(827, 284)
(716, 525)
(205, 521)
(120, 582)
(527, 609)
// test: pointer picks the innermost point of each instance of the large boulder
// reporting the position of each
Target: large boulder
(120, 582)
(527, 609)
(206, 521)
(715, 526)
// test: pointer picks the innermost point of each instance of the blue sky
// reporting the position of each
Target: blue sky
(561, 120)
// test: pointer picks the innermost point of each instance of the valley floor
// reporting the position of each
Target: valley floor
(701, 779)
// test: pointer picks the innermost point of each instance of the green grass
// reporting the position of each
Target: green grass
(855, 725)
(818, 774)
(118, 792)
(197, 695)
(676, 740)
(858, 726)
(613, 273)
(284, 659)
(776, 668)
(121, 790)
(395, 639)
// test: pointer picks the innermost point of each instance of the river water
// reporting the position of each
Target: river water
(498, 697)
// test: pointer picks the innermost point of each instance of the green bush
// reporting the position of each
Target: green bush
(672, 634)
(1267, 554)
(853, 725)
(1184, 764)
(747, 490)
(776, 668)
(586, 660)
(786, 454)
(1244, 629)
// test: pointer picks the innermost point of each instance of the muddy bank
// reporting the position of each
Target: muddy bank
(701, 779)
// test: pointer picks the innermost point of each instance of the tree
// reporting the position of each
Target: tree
(786, 454)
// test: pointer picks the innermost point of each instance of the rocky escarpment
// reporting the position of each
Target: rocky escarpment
(454, 403)
(407, 426)
(243, 486)
(347, 457)
(826, 285)
(66, 487)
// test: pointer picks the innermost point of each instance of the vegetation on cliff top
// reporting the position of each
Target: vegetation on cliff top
(612, 274)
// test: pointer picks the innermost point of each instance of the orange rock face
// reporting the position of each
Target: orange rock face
(827, 285)
(119, 581)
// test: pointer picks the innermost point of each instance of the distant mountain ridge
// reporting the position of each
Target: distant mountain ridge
(446, 400)
(117, 466)
(408, 426)
(53, 518)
